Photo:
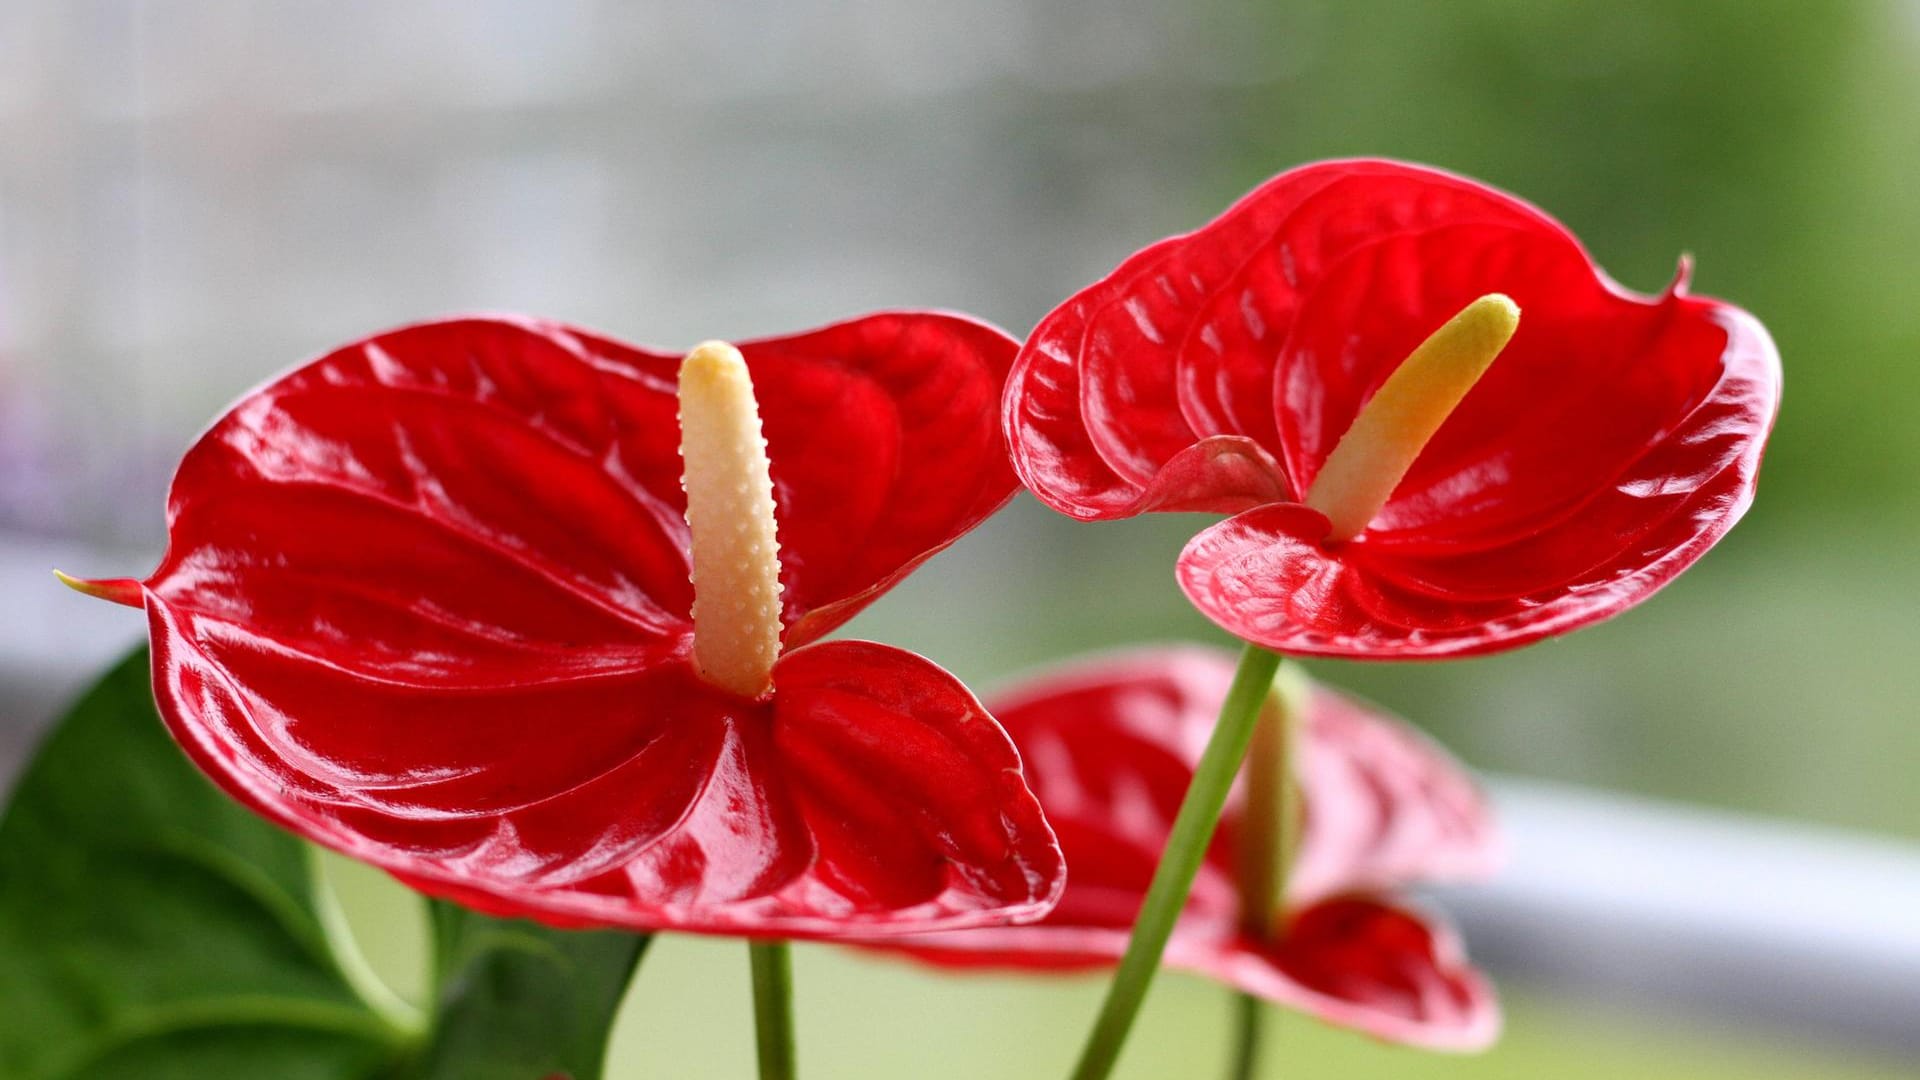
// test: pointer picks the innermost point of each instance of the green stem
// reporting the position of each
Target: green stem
(1186, 848)
(1247, 1013)
(773, 1008)
(1269, 840)
(1290, 691)
(1264, 854)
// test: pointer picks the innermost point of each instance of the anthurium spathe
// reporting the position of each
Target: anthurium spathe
(1110, 746)
(427, 601)
(1442, 430)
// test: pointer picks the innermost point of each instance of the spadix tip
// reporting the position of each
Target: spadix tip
(1380, 445)
(712, 358)
(1492, 319)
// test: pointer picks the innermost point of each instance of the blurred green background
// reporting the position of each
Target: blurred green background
(196, 197)
(1779, 143)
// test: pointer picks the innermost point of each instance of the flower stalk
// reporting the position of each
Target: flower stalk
(773, 1008)
(1186, 848)
(1269, 842)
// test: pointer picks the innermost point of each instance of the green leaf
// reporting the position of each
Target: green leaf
(153, 928)
(519, 1001)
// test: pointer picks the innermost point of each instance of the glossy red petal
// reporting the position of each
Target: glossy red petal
(1386, 807)
(540, 784)
(395, 472)
(352, 507)
(1614, 440)
(1594, 380)
(916, 794)
(1360, 963)
(1266, 577)
(1363, 964)
(1178, 344)
(885, 442)
(873, 793)
(425, 601)
(1110, 746)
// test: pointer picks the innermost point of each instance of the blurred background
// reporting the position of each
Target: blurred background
(1716, 818)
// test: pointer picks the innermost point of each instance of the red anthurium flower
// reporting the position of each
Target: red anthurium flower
(1110, 747)
(427, 602)
(1298, 362)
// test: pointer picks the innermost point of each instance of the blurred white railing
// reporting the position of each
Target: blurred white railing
(1664, 906)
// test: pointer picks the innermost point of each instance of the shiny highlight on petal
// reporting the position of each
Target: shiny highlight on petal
(1397, 422)
(736, 553)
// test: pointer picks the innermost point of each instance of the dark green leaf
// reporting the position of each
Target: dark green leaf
(152, 928)
(520, 1001)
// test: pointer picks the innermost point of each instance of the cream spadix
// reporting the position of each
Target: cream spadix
(1396, 423)
(736, 554)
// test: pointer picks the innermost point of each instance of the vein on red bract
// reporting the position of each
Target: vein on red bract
(426, 601)
(1613, 441)
(1110, 746)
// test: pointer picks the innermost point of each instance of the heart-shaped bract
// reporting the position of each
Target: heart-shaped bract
(426, 602)
(1613, 441)
(1110, 746)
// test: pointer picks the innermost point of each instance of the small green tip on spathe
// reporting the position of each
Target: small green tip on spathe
(118, 590)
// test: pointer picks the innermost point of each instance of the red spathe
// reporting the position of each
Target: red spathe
(1614, 440)
(1110, 746)
(426, 602)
